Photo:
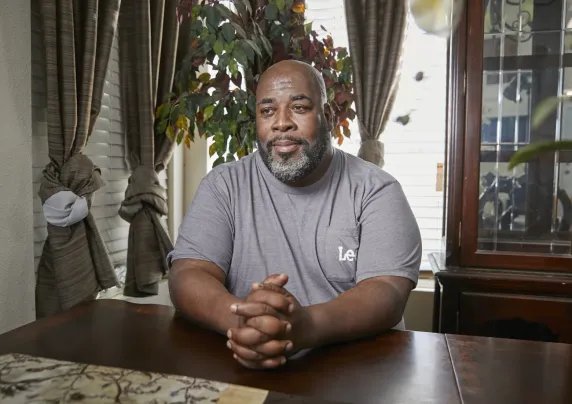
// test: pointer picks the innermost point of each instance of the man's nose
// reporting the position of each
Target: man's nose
(283, 122)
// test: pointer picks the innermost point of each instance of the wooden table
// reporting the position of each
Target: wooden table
(397, 367)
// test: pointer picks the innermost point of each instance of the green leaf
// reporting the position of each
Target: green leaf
(220, 143)
(218, 161)
(196, 11)
(240, 31)
(218, 48)
(208, 113)
(271, 12)
(280, 4)
(181, 136)
(223, 61)
(546, 107)
(224, 11)
(233, 145)
(163, 111)
(308, 28)
(230, 158)
(228, 32)
(254, 47)
(212, 15)
(535, 149)
(246, 4)
(161, 126)
(240, 56)
(233, 67)
(251, 104)
(212, 149)
(170, 133)
(204, 77)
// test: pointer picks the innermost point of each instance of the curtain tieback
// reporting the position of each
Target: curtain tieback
(66, 192)
(144, 188)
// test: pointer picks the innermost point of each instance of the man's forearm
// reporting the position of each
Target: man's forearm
(363, 311)
(202, 298)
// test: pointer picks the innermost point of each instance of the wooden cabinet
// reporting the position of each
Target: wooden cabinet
(506, 265)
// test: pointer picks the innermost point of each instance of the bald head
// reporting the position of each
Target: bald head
(293, 121)
(293, 69)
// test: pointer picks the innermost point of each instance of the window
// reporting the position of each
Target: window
(414, 153)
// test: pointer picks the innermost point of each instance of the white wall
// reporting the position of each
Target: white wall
(16, 218)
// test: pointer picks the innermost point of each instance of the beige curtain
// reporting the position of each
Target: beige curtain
(148, 37)
(376, 30)
(74, 265)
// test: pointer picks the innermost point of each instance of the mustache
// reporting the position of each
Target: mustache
(288, 138)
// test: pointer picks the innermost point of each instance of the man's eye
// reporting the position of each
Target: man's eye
(300, 108)
(266, 111)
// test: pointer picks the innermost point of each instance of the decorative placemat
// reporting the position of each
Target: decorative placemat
(30, 379)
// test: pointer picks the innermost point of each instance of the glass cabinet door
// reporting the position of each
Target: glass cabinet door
(519, 52)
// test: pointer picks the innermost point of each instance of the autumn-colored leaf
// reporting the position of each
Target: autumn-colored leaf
(345, 123)
(188, 141)
(338, 135)
(212, 149)
(182, 122)
(195, 44)
(241, 152)
(170, 132)
(298, 7)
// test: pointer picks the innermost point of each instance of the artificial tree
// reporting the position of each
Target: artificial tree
(233, 43)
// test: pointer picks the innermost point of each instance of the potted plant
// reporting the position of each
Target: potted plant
(233, 44)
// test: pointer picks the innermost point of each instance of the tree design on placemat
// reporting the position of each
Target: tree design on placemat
(24, 378)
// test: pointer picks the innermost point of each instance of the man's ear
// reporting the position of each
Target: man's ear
(330, 118)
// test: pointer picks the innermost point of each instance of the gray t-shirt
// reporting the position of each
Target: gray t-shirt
(353, 224)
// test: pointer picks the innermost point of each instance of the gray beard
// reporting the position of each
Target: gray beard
(287, 168)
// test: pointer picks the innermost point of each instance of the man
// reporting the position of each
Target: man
(299, 244)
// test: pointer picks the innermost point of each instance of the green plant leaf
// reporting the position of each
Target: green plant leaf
(196, 11)
(280, 4)
(240, 56)
(546, 107)
(230, 158)
(218, 48)
(254, 47)
(204, 77)
(224, 11)
(246, 4)
(271, 12)
(240, 31)
(212, 15)
(220, 143)
(170, 132)
(228, 32)
(208, 112)
(233, 67)
(212, 149)
(535, 149)
(218, 161)
(308, 27)
(233, 145)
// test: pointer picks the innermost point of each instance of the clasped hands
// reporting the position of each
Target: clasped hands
(272, 325)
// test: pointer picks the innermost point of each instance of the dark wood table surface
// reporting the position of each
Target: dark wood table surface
(396, 367)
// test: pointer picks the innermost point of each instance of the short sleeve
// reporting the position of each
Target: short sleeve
(207, 231)
(390, 240)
